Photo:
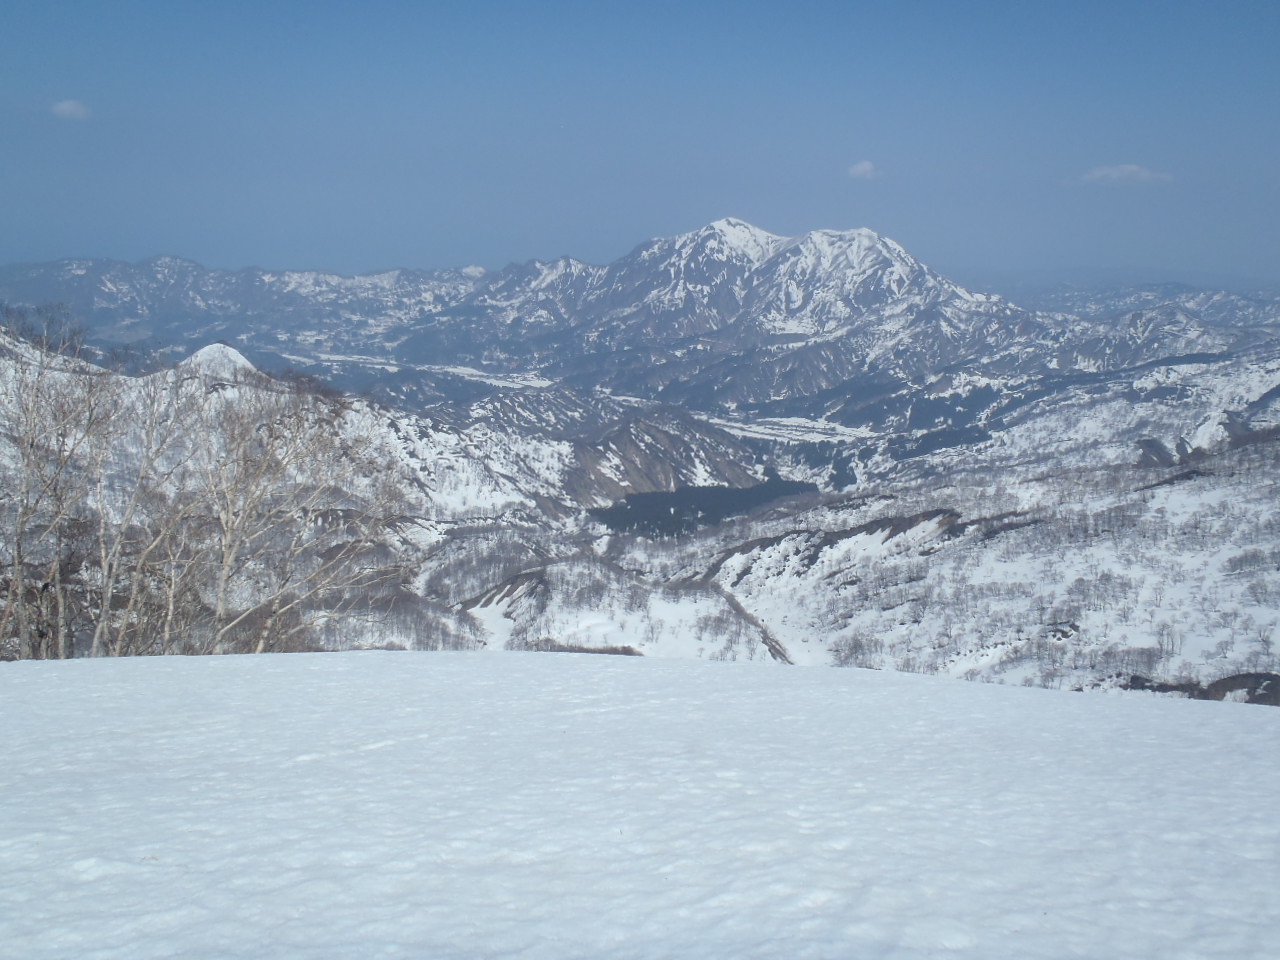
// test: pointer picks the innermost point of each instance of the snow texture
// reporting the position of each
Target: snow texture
(549, 806)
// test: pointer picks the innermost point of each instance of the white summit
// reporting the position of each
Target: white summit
(219, 360)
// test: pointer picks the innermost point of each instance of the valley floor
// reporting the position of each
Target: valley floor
(570, 806)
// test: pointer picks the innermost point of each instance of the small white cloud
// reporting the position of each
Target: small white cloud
(1125, 173)
(70, 110)
(864, 170)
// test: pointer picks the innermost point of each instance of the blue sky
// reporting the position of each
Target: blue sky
(989, 138)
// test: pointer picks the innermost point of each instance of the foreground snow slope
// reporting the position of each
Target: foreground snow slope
(461, 805)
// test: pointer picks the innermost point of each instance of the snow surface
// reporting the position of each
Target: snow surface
(463, 805)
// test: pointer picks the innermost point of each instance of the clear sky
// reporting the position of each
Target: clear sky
(987, 137)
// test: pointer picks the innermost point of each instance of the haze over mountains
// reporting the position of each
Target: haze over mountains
(1078, 495)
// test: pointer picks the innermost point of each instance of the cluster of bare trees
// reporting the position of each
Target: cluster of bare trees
(185, 511)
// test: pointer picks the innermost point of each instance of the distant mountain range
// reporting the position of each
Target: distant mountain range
(1081, 493)
(839, 327)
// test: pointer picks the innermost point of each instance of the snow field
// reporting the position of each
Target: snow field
(554, 806)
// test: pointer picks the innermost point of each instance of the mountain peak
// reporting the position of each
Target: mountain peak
(731, 236)
(733, 225)
(219, 360)
(727, 240)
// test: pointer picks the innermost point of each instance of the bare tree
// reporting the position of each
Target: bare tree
(183, 511)
(293, 512)
(51, 405)
(136, 470)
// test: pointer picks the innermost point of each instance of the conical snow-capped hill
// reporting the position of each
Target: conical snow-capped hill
(220, 361)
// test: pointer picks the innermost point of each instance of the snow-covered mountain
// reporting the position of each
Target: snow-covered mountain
(1076, 495)
(725, 317)
(856, 308)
